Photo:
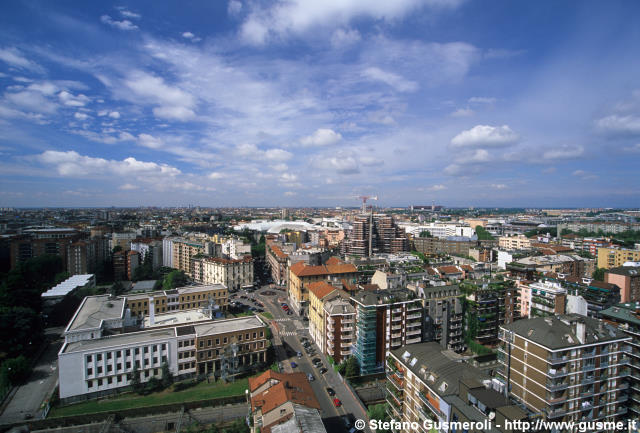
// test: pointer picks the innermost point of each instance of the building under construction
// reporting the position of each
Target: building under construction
(374, 233)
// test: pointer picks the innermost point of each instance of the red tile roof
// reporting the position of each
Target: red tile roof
(301, 269)
(321, 289)
(278, 252)
(292, 387)
(333, 260)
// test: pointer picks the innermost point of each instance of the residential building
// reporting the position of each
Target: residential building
(301, 275)
(451, 246)
(122, 240)
(331, 320)
(184, 250)
(626, 317)
(99, 357)
(151, 248)
(542, 298)
(374, 233)
(489, 305)
(167, 251)
(133, 261)
(232, 273)
(570, 264)
(443, 315)
(277, 260)
(36, 242)
(182, 298)
(566, 367)
(235, 249)
(284, 403)
(628, 279)
(597, 294)
(616, 257)
(385, 320)
(428, 385)
(86, 256)
(514, 242)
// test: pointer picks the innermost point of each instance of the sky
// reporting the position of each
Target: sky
(314, 103)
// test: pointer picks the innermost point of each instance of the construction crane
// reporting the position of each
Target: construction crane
(364, 199)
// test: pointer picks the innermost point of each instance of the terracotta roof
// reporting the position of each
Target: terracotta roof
(293, 387)
(348, 286)
(245, 259)
(321, 289)
(278, 252)
(333, 260)
(467, 268)
(370, 287)
(449, 270)
(301, 269)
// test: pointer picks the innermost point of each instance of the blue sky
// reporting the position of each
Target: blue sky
(214, 103)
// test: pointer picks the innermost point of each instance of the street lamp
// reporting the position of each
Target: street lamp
(246, 393)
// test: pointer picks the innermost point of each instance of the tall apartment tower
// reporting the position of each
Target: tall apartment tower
(567, 367)
(375, 234)
(385, 320)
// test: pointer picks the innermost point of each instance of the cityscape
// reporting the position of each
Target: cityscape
(288, 216)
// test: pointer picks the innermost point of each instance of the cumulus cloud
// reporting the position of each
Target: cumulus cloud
(14, 57)
(321, 137)
(81, 116)
(297, 16)
(437, 188)
(150, 141)
(344, 165)
(114, 115)
(482, 100)
(277, 155)
(190, 36)
(463, 112)
(566, 151)
(72, 164)
(391, 79)
(234, 7)
(216, 175)
(620, 124)
(71, 100)
(173, 102)
(127, 187)
(485, 136)
(122, 25)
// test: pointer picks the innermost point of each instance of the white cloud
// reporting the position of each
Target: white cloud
(290, 193)
(188, 35)
(482, 100)
(437, 188)
(277, 155)
(72, 164)
(565, 151)
(280, 167)
(81, 116)
(342, 38)
(621, 124)
(128, 14)
(584, 175)
(114, 115)
(463, 112)
(174, 113)
(33, 101)
(297, 16)
(370, 161)
(288, 177)
(633, 149)
(70, 100)
(485, 136)
(499, 186)
(579, 173)
(394, 80)
(173, 102)
(150, 141)
(122, 25)
(216, 175)
(127, 187)
(344, 164)
(234, 7)
(321, 137)
(14, 57)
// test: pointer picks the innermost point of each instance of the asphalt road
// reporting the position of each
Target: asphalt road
(287, 330)
(28, 397)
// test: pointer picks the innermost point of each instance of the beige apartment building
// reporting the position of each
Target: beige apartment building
(184, 251)
(567, 367)
(515, 242)
(234, 274)
(182, 298)
(615, 257)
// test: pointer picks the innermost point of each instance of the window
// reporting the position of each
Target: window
(128, 352)
(239, 337)
(246, 336)
(108, 355)
(137, 351)
(89, 371)
(99, 370)
(208, 343)
(164, 346)
(255, 334)
(109, 381)
(146, 373)
(209, 354)
(155, 360)
(217, 342)
(128, 365)
(99, 382)
(119, 354)
(261, 333)
(224, 341)
(119, 367)
(109, 368)
(90, 384)
(88, 359)
(146, 349)
(202, 344)
(137, 364)
(99, 356)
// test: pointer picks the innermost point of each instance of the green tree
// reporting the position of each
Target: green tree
(167, 377)
(425, 234)
(483, 234)
(379, 412)
(117, 288)
(21, 330)
(134, 377)
(15, 371)
(352, 367)
(598, 274)
(174, 279)
(116, 249)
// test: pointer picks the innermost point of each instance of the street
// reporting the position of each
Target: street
(287, 331)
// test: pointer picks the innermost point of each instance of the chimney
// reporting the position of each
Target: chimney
(152, 312)
(581, 331)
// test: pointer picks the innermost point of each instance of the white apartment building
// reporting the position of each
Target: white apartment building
(235, 249)
(515, 242)
(234, 274)
(541, 298)
(439, 229)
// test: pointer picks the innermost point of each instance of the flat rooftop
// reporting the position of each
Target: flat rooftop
(176, 318)
(201, 288)
(95, 309)
(229, 325)
(68, 285)
(121, 340)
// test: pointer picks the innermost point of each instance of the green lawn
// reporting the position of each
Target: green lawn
(202, 391)
(267, 315)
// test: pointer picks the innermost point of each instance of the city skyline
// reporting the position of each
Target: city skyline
(464, 103)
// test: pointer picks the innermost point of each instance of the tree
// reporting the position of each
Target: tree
(598, 274)
(16, 371)
(116, 249)
(117, 288)
(352, 367)
(174, 279)
(379, 412)
(167, 377)
(425, 234)
(483, 234)
(135, 378)
(21, 330)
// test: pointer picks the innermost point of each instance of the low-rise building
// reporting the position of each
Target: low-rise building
(514, 242)
(616, 257)
(182, 298)
(628, 279)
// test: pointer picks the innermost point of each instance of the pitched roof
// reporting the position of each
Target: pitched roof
(292, 387)
(301, 269)
(321, 289)
(333, 260)
(278, 252)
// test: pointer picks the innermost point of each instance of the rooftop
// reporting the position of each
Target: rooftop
(384, 297)
(229, 325)
(120, 340)
(176, 318)
(321, 289)
(93, 310)
(559, 332)
(68, 285)
(629, 271)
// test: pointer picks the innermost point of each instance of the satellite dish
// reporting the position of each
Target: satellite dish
(492, 415)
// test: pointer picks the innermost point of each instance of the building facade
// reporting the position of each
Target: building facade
(616, 257)
(232, 273)
(628, 279)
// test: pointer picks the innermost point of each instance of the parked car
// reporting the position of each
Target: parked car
(299, 354)
(316, 360)
(331, 392)
(323, 370)
(311, 377)
(293, 364)
(337, 402)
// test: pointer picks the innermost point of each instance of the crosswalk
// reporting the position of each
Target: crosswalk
(288, 333)
(284, 319)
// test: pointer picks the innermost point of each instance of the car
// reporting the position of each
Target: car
(311, 377)
(323, 370)
(289, 313)
(316, 360)
(299, 354)
(331, 392)
(337, 402)
(303, 340)
(293, 364)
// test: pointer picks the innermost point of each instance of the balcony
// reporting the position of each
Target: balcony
(557, 359)
(347, 328)
(413, 332)
(397, 311)
(555, 413)
(414, 340)
(557, 385)
(414, 307)
(345, 353)
(396, 327)
(557, 373)
(414, 316)
(396, 335)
